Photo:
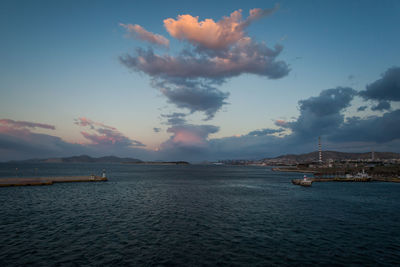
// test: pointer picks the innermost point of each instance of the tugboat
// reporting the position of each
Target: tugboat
(303, 182)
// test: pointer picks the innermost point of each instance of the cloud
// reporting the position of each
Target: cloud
(329, 101)
(24, 124)
(379, 133)
(382, 105)
(206, 99)
(322, 114)
(139, 32)
(105, 135)
(188, 142)
(156, 130)
(251, 147)
(26, 144)
(175, 118)
(266, 131)
(281, 123)
(379, 129)
(18, 141)
(210, 34)
(386, 88)
(362, 108)
(82, 121)
(219, 50)
(245, 57)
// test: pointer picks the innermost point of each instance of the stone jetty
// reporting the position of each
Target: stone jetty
(49, 180)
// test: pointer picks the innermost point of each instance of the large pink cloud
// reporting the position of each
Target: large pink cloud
(210, 34)
(219, 50)
(139, 32)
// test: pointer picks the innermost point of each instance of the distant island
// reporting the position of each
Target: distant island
(106, 159)
(81, 159)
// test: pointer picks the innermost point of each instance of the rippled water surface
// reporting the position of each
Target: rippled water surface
(195, 215)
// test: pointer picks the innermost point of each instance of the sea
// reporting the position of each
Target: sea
(194, 215)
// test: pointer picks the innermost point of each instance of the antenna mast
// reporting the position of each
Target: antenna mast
(319, 150)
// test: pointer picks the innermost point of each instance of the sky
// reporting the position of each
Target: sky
(209, 80)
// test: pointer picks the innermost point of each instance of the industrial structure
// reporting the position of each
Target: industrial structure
(319, 151)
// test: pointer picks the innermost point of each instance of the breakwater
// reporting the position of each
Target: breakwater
(342, 179)
(4, 182)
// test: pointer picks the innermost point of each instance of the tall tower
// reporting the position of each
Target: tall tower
(319, 150)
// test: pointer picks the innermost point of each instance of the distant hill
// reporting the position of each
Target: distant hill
(335, 155)
(83, 159)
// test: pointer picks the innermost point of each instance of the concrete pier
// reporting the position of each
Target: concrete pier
(49, 180)
(343, 180)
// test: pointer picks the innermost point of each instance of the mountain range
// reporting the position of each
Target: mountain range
(84, 159)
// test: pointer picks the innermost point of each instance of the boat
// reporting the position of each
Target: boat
(303, 182)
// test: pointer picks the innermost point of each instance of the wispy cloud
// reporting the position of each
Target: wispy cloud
(24, 124)
(266, 131)
(82, 121)
(139, 32)
(105, 135)
(175, 118)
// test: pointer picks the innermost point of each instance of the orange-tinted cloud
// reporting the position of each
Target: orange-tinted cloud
(210, 34)
(220, 50)
(139, 32)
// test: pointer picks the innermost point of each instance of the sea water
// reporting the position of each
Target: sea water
(192, 215)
